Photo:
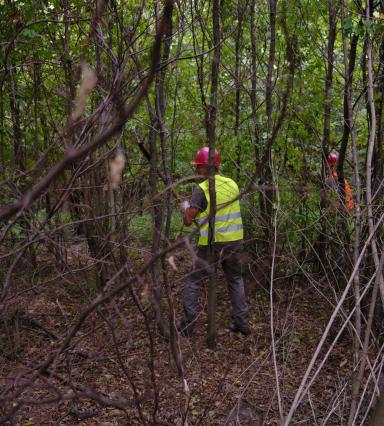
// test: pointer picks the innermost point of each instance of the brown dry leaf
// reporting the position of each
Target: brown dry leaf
(145, 295)
(116, 167)
(88, 83)
(171, 261)
(378, 15)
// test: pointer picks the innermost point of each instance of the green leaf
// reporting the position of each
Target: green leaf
(16, 230)
(347, 25)
(368, 25)
(295, 338)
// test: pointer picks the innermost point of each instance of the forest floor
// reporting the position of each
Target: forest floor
(233, 384)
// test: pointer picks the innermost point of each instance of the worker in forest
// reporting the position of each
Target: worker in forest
(346, 200)
(228, 244)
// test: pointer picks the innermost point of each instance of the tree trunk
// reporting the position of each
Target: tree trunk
(322, 240)
(211, 130)
(378, 159)
(157, 128)
(253, 93)
(238, 83)
(349, 66)
(371, 145)
(18, 157)
(267, 197)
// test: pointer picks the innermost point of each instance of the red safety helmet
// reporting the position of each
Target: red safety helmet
(202, 157)
(332, 158)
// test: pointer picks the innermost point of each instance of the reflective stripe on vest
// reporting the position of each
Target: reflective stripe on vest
(226, 229)
(222, 218)
(228, 223)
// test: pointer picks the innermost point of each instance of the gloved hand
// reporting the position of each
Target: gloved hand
(184, 205)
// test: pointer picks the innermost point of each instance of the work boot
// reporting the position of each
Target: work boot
(243, 329)
(184, 327)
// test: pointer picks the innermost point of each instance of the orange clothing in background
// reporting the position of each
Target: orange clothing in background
(348, 198)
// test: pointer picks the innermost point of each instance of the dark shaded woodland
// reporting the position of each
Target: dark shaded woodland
(103, 105)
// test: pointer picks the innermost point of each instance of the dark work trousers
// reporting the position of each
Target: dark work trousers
(228, 256)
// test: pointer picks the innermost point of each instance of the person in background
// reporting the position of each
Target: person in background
(333, 183)
(228, 244)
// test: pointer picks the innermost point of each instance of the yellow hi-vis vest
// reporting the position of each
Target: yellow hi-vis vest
(228, 223)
